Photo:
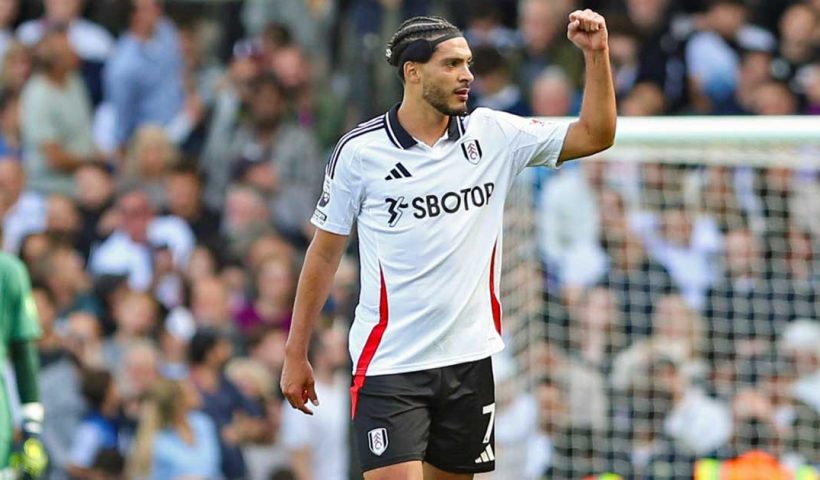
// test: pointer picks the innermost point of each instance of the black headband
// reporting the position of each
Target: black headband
(419, 50)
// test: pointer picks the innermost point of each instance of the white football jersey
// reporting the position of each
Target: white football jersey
(429, 223)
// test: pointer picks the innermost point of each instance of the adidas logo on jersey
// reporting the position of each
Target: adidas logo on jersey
(486, 456)
(399, 171)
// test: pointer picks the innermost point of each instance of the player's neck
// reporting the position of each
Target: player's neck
(421, 120)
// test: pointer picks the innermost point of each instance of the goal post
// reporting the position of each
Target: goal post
(686, 324)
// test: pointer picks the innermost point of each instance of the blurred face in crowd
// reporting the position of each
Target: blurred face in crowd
(136, 214)
(798, 32)
(46, 312)
(136, 314)
(726, 18)
(672, 319)
(552, 407)
(63, 11)
(267, 106)
(774, 98)
(93, 187)
(539, 24)
(210, 302)
(62, 215)
(244, 208)
(10, 116)
(647, 14)
(598, 311)
(152, 152)
(201, 263)
(8, 11)
(677, 227)
(56, 52)
(12, 181)
(291, 67)
(16, 66)
(141, 369)
(66, 270)
(182, 193)
(551, 96)
(742, 253)
(269, 245)
(810, 81)
(276, 281)
(145, 16)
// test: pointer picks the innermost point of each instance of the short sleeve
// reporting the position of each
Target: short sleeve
(532, 142)
(341, 198)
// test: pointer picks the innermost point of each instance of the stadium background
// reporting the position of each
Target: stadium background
(660, 312)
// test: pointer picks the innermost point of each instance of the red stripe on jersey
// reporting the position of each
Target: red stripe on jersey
(493, 299)
(370, 346)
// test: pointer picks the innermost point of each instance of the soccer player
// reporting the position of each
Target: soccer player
(19, 331)
(426, 185)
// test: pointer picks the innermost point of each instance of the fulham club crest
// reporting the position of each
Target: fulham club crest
(472, 151)
(377, 440)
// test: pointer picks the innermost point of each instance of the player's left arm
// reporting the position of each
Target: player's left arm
(31, 460)
(594, 130)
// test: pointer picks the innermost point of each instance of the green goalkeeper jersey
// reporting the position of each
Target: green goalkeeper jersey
(18, 313)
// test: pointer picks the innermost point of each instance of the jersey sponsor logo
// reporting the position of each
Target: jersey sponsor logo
(377, 440)
(395, 207)
(451, 202)
(431, 206)
(399, 171)
(472, 151)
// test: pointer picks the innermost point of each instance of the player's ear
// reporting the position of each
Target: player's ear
(412, 72)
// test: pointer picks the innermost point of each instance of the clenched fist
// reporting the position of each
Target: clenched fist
(587, 30)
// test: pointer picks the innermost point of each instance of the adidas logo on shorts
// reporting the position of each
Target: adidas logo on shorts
(486, 456)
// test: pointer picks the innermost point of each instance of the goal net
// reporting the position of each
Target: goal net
(661, 306)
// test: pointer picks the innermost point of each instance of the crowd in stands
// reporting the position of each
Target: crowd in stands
(160, 161)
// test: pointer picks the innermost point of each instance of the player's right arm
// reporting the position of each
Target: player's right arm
(322, 260)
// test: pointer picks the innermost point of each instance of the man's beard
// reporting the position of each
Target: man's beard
(437, 98)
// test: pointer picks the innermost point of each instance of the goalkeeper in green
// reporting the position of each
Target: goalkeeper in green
(19, 331)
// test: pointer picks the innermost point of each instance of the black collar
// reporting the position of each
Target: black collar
(401, 139)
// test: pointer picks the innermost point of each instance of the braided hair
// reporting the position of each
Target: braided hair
(410, 32)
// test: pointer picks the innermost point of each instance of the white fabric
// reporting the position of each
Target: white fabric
(324, 433)
(118, 254)
(699, 423)
(89, 40)
(25, 217)
(435, 263)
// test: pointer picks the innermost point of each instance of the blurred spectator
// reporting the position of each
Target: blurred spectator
(318, 108)
(662, 84)
(84, 339)
(11, 142)
(266, 345)
(318, 444)
(624, 45)
(92, 42)
(712, 57)
(755, 70)
(174, 441)
(95, 201)
(275, 289)
(686, 247)
(59, 385)
(798, 41)
(809, 79)
(143, 77)
(62, 272)
(99, 429)
(130, 249)
(245, 217)
(8, 13)
(56, 117)
(542, 27)
(774, 98)
(279, 158)
(17, 67)
(486, 30)
(62, 219)
(493, 84)
(23, 211)
(202, 71)
(136, 318)
(211, 306)
(183, 198)
(799, 342)
(150, 157)
(552, 94)
(238, 419)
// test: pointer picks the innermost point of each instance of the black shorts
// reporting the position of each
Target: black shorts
(442, 416)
